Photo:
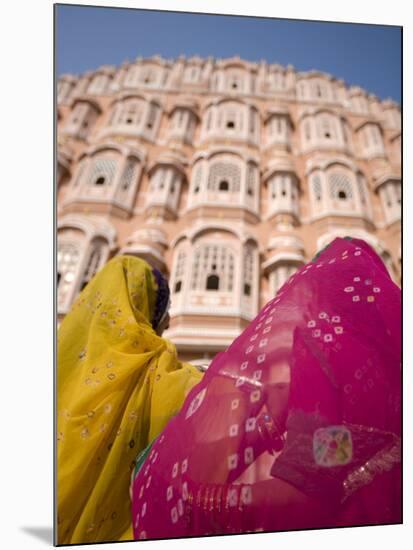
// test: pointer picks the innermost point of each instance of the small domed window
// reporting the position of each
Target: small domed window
(223, 185)
(342, 195)
(100, 181)
(212, 282)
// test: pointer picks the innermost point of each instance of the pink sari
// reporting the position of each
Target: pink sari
(236, 460)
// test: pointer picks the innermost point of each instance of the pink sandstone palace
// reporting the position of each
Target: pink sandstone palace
(226, 175)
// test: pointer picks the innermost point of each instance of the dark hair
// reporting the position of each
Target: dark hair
(162, 297)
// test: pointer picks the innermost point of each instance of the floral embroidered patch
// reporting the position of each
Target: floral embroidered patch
(332, 446)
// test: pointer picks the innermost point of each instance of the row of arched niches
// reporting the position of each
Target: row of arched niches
(122, 180)
(215, 268)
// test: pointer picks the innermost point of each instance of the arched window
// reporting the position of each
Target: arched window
(390, 195)
(251, 180)
(102, 172)
(197, 178)
(128, 174)
(248, 271)
(370, 140)
(179, 272)
(213, 268)
(67, 260)
(317, 188)
(283, 193)
(68, 257)
(340, 186)
(326, 128)
(225, 174)
(151, 116)
(132, 113)
(212, 282)
(361, 185)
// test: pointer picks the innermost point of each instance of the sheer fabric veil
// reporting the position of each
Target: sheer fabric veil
(304, 403)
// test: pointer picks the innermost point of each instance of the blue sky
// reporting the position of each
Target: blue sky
(364, 55)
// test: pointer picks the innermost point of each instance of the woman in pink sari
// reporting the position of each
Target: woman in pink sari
(298, 424)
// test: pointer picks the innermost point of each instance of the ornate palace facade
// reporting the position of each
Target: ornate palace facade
(226, 175)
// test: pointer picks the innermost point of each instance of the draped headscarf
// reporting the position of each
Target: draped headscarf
(242, 446)
(118, 385)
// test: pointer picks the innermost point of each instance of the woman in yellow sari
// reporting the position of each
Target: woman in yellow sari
(118, 385)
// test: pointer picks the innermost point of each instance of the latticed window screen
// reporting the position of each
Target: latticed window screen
(131, 113)
(224, 171)
(92, 265)
(231, 119)
(251, 179)
(179, 272)
(340, 186)
(128, 174)
(158, 179)
(213, 261)
(248, 271)
(102, 172)
(67, 260)
(252, 121)
(317, 189)
(68, 256)
(151, 116)
(326, 127)
(362, 189)
(280, 184)
(197, 177)
(178, 118)
(235, 82)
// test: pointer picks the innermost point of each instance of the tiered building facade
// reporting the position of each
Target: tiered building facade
(226, 175)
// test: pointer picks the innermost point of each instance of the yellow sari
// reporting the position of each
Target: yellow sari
(118, 385)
